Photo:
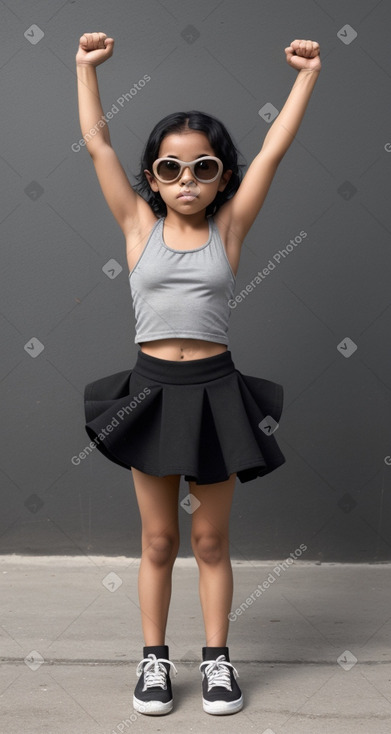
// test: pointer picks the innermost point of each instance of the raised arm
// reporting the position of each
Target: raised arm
(245, 205)
(287, 123)
(124, 203)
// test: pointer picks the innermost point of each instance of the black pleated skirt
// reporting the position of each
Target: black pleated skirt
(200, 418)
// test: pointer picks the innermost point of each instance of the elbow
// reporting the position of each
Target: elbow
(273, 155)
(97, 147)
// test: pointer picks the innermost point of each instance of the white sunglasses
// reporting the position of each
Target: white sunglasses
(205, 169)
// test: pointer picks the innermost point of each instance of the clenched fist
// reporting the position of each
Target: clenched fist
(94, 49)
(303, 55)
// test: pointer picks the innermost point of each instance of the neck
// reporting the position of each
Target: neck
(185, 221)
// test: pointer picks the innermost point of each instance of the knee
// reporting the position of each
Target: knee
(161, 550)
(209, 548)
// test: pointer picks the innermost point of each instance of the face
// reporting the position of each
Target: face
(187, 146)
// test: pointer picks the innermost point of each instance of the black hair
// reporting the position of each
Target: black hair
(220, 141)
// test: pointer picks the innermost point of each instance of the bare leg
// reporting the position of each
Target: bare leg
(157, 499)
(210, 542)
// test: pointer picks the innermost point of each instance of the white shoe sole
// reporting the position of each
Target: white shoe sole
(152, 708)
(220, 708)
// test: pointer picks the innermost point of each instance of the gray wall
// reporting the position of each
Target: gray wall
(57, 233)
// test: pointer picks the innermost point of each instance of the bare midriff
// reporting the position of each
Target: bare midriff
(182, 349)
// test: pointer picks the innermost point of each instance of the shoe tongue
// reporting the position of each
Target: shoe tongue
(211, 653)
(161, 651)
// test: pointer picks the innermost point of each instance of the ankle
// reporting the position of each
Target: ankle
(211, 653)
(161, 651)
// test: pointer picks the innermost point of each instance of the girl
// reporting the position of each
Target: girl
(185, 409)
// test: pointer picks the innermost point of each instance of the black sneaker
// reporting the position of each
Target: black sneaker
(220, 691)
(153, 693)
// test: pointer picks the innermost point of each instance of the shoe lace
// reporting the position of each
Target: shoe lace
(154, 671)
(217, 672)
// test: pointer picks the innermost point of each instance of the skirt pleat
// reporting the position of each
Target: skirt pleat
(199, 418)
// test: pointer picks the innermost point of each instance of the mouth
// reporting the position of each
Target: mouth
(189, 195)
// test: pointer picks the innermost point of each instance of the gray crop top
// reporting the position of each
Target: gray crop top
(182, 293)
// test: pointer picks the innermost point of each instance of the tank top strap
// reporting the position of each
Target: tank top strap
(155, 239)
(156, 245)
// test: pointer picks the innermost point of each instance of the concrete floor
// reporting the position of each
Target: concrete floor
(312, 650)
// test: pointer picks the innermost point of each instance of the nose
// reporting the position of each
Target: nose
(186, 174)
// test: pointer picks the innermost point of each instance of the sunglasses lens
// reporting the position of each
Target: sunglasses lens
(206, 169)
(168, 170)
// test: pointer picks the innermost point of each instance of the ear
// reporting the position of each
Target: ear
(151, 180)
(224, 180)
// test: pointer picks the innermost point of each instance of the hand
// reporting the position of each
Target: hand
(303, 55)
(94, 49)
